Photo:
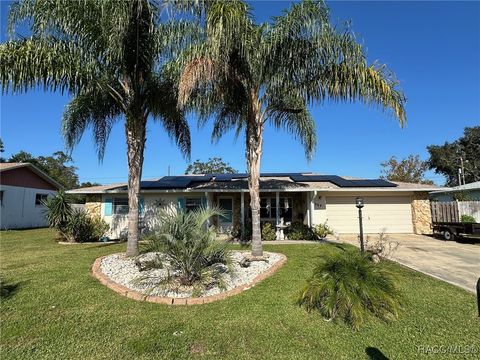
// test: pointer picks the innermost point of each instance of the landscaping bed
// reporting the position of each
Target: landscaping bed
(134, 277)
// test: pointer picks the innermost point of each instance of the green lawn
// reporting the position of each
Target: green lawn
(60, 311)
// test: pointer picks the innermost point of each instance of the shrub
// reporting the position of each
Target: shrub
(58, 212)
(189, 245)
(300, 231)
(82, 227)
(322, 230)
(236, 232)
(268, 232)
(350, 286)
(467, 219)
(73, 225)
(381, 246)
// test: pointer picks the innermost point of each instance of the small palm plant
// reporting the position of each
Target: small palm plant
(190, 246)
(350, 286)
(58, 212)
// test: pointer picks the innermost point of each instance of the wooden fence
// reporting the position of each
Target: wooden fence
(452, 211)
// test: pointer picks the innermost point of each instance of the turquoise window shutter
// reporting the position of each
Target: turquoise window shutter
(204, 202)
(107, 207)
(141, 206)
(181, 203)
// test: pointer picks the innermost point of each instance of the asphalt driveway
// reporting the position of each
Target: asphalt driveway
(457, 263)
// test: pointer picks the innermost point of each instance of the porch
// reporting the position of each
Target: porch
(276, 207)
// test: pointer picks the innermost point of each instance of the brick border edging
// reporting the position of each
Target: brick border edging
(135, 295)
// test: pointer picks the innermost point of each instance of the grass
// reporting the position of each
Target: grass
(58, 310)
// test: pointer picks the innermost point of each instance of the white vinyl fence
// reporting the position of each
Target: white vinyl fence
(78, 206)
(469, 208)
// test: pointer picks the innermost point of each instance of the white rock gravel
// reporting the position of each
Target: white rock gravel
(125, 271)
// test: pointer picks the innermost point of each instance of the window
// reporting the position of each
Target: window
(40, 199)
(268, 208)
(120, 206)
(226, 204)
(192, 203)
(1, 197)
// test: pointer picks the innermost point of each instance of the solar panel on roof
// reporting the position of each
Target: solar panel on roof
(341, 182)
(174, 182)
(182, 182)
(230, 177)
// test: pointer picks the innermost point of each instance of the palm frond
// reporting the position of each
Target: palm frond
(288, 111)
(310, 55)
(96, 109)
(161, 97)
(47, 62)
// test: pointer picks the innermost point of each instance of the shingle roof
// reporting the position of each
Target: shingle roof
(9, 166)
(268, 181)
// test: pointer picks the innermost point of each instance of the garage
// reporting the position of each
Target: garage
(389, 214)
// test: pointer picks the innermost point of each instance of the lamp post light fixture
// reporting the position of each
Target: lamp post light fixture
(359, 204)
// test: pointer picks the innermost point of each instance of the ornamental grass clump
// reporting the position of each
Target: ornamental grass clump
(189, 246)
(348, 285)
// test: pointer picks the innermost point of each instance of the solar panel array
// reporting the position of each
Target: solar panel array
(183, 182)
(175, 182)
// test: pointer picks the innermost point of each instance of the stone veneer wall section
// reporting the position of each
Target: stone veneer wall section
(93, 205)
(421, 213)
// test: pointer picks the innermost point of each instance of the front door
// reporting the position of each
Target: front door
(225, 222)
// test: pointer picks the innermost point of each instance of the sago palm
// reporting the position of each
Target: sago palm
(108, 55)
(248, 75)
(349, 285)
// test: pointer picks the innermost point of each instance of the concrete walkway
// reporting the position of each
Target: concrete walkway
(457, 263)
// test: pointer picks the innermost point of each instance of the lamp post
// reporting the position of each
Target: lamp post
(359, 204)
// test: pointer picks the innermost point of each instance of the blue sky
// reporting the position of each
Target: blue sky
(433, 47)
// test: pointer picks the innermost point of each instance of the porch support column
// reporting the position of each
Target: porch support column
(313, 194)
(242, 213)
(277, 206)
(207, 204)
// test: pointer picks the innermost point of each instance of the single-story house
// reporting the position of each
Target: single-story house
(390, 207)
(23, 188)
(467, 192)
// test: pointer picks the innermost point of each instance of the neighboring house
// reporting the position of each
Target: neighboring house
(467, 192)
(23, 188)
(390, 207)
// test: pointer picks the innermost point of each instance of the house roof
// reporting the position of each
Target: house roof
(268, 182)
(467, 187)
(33, 168)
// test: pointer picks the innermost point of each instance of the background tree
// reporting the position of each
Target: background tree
(213, 166)
(411, 169)
(108, 55)
(248, 75)
(58, 166)
(445, 159)
(88, 184)
(2, 150)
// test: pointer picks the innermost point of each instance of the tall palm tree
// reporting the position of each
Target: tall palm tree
(246, 75)
(108, 55)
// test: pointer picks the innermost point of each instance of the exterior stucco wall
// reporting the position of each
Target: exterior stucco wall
(420, 208)
(421, 214)
(149, 221)
(18, 209)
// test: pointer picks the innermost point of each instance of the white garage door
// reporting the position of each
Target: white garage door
(390, 214)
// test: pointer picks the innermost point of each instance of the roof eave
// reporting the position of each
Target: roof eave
(194, 190)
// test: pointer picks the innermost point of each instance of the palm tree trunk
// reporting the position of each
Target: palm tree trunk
(254, 141)
(135, 133)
